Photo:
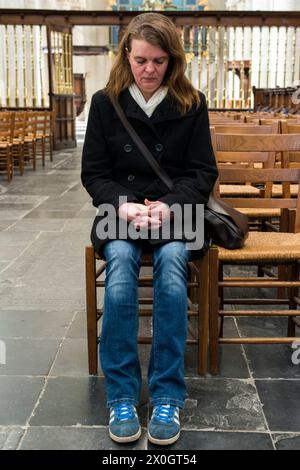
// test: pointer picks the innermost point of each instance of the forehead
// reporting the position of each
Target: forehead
(142, 48)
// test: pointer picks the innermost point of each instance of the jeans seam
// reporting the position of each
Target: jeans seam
(120, 400)
(166, 400)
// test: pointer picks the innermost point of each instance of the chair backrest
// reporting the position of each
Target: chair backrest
(6, 125)
(245, 129)
(290, 158)
(258, 147)
(262, 177)
(20, 125)
(242, 149)
(31, 123)
(258, 143)
(41, 120)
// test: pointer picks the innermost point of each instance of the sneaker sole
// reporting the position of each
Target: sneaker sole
(125, 439)
(163, 442)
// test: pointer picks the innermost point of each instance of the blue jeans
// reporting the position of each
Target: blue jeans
(119, 337)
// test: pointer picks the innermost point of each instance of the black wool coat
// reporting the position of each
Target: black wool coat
(112, 166)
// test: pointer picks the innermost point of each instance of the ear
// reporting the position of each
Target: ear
(127, 53)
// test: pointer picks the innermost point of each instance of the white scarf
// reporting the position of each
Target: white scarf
(148, 106)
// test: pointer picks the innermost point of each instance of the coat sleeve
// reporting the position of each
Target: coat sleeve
(96, 169)
(200, 174)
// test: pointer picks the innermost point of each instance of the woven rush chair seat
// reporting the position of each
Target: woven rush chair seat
(238, 190)
(4, 144)
(269, 246)
(259, 212)
(277, 190)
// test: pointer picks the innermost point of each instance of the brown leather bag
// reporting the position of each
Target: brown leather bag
(227, 227)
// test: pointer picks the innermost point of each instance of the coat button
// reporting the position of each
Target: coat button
(127, 148)
(131, 178)
(159, 147)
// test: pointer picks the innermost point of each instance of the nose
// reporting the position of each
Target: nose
(149, 67)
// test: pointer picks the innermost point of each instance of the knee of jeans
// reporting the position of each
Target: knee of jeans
(121, 251)
(170, 264)
(173, 253)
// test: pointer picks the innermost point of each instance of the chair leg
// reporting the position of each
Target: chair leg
(213, 309)
(293, 292)
(221, 295)
(203, 311)
(91, 309)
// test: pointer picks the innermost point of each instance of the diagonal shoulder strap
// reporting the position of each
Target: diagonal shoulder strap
(142, 147)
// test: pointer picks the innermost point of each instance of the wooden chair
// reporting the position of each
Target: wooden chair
(30, 138)
(257, 145)
(41, 129)
(48, 136)
(197, 288)
(6, 136)
(19, 139)
(272, 248)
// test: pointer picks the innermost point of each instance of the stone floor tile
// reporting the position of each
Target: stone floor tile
(18, 396)
(222, 404)
(75, 438)
(10, 437)
(38, 225)
(78, 328)
(72, 359)
(280, 400)
(34, 323)
(287, 441)
(71, 401)
(29, 357)
(55, 214)
(13, 214)
(272, 361)
(201, 440)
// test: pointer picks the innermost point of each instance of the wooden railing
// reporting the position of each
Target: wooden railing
(228, 53)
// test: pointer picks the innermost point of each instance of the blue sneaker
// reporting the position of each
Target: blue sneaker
(164, 426)
(124, 424)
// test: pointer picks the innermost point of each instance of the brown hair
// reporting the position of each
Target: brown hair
(158, 30)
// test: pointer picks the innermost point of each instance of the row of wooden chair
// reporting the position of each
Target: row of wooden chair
(275, 248)
(24, 137)
(267, 249)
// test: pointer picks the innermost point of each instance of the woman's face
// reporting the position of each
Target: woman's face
(148, 65)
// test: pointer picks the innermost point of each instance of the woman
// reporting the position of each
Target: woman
(171, 118)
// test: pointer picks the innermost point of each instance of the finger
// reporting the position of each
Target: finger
(147, 202)
(148, 222)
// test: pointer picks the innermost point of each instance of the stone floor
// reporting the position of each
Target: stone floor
(48, 400)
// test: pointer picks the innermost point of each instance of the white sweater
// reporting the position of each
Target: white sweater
(148, 106)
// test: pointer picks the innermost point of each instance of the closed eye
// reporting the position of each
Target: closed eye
(157, 61)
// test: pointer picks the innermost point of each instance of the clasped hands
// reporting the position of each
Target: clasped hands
(149, 215)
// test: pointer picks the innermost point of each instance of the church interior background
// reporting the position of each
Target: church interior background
(224, 62)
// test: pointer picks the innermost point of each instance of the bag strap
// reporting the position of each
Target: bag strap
(142, 147)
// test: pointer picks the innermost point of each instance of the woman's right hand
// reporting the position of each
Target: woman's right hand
(139, 215)
(131, 210)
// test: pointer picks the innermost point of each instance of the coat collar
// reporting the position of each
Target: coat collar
(163, 112)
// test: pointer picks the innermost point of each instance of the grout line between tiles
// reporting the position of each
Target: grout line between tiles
(46, 381)
(22, 252)
(254, 385)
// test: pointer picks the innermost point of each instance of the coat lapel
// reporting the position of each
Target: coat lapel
(163, 112)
